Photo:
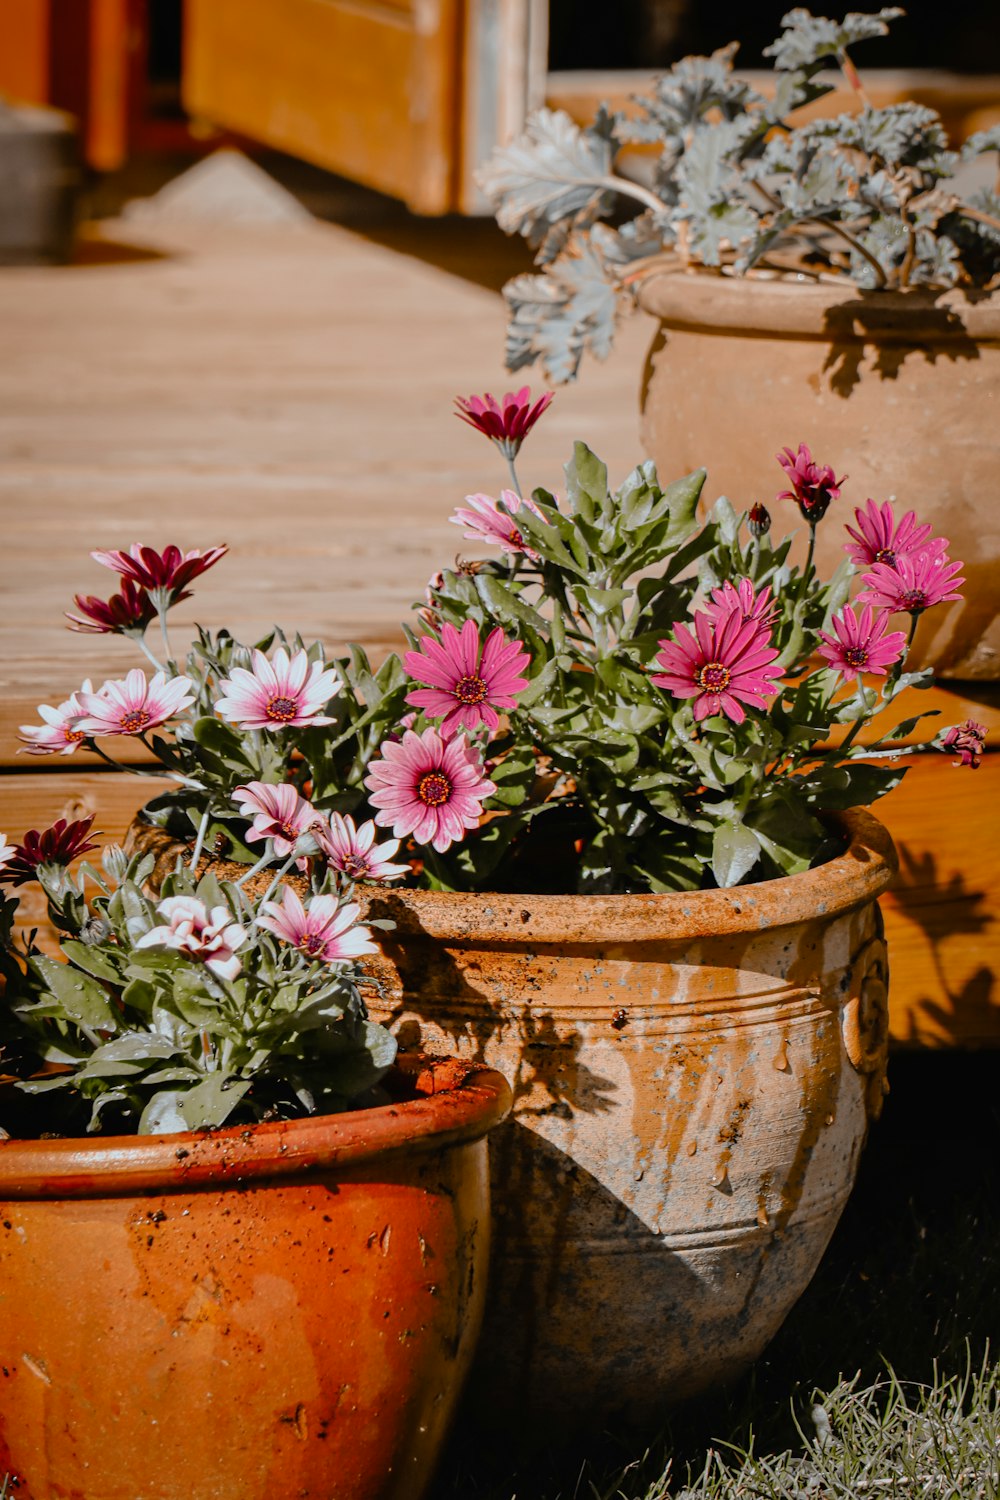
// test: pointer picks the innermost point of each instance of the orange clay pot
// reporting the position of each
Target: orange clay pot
(283, 1310)
(693, 1077)
(897, 389)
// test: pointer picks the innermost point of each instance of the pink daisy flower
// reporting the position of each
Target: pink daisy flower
(58, 845)
(428, 786)
(750, 606)
(278, 694)
(323, 929)
(165, 573)
(60, 734)
(466, 685)
(969, 739)
(133, 706)
(915, 583)
(879, 539)
(278, 812)
(726, 661)
(861, 644)
(813, 485)
(487, 522)
(506, 422)
(128, 612)
(353, 851)
(210, 937)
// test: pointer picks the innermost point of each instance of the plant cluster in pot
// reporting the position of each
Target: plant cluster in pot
(829, 276)
(628, 755)
(242, 1251)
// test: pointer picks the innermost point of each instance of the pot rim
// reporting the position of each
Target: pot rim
(457, 1103)
(821, 310)
(851, 879)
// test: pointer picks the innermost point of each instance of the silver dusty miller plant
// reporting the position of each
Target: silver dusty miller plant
(866, 197)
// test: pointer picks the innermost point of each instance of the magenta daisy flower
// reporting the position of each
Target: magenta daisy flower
(813, 485)
(914, 584)
(323, 929)
(60, 734)
(209, 937)
(492, 520)
(880, 539)
(278, 813)
(354, 852)
(466, 685)
(165, 573)
(129, 612)
(969, 739)
(861, 644)
(724, 662)
(506, 422)
(278, 694)
(133, 706)
(428, 786)
(745, 602)
(58, 845)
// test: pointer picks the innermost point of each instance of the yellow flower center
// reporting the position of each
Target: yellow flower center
(434, 788)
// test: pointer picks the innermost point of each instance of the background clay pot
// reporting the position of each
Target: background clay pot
(693, 1075)
(898, 390)
(281, 1310)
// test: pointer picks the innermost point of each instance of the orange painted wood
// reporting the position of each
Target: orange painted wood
(114, 27)
(366, 88)
(24, 50)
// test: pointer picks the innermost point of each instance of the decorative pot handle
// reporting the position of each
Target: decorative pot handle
(865, 1017)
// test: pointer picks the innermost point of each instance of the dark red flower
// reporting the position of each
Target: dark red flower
(58, 845)
(813, 484)
(125, 613)
(506, 422)
(164, 573)
(969, 739)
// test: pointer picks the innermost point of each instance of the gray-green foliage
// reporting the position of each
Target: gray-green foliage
(150, 1039)
(602, 755)
(737, 185)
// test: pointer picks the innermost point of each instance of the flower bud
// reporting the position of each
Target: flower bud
(94, 929)
(758, 521)
(115, 862)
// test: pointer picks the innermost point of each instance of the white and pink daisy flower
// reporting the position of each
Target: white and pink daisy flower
(278, 813)
(354, 852)
(428, 786)
(881, 539)
(59, 735)
(861, 644)
(210, 937)
(466, 684)
(133, 706)
(284, 693)
(915, 583)
(7, 851)
(490, 520)
(724, 662)
(323, 929)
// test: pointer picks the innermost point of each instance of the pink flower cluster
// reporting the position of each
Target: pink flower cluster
(280, 814)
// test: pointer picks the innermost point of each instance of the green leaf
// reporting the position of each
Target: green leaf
(586, 483)
(735, 851)
(80, 997)
(212, 1101)
(91, 958)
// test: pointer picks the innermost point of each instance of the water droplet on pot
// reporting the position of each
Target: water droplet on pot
(780, 1059)
(762, 1218)
(721, 1180)
(693, 1148)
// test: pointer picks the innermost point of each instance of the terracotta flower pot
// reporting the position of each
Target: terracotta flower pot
(287, 1309)
(693, 1075)
(898, 390)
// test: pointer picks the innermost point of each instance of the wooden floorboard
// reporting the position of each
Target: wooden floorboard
(289, 392)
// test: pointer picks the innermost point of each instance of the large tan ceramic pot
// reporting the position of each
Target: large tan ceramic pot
(250, 1313)
(899, 390)
(693, 1076)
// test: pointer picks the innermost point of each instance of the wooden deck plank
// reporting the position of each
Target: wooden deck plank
(289, 392)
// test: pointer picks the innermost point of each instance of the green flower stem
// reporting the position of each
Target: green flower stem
(515, 485)
(289, 862)
(914, 622)
(138, 770)
(162, 612)
(266, 858)
(143, 647)
(199, 842)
